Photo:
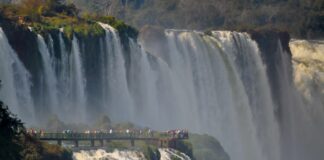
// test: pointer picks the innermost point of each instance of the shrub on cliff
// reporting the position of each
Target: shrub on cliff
(124, 30)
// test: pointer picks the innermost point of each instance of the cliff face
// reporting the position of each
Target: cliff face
(276, 55)
(293, 72)
(24, 42)
(308, 60)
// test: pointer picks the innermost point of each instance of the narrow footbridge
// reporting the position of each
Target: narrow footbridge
(161, 139)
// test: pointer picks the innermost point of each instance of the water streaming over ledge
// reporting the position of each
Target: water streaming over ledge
(209, 83)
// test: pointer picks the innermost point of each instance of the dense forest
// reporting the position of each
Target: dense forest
(302, 18)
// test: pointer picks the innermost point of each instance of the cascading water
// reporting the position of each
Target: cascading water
(215, 83)
(49, 76)
(78, 82)
(102, 154)
(118, 98)
(64, 79)
(166, 154)
(211, 90)
(169, 154)
(15, 91)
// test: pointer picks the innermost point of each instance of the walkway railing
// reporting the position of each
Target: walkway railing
(87, 136)
(162, 138)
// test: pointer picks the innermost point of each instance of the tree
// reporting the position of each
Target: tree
(10, 131)
(54, 124)
(103, 123)
(32, 8)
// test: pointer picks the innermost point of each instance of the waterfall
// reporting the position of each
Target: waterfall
(64, 79)
(49, 75)
(218, 83)
(79, 99)
(212, 92)
(120, 103)
(15, 86)
(64, 68)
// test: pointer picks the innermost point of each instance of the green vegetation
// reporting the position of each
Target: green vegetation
(35, 150)
(185, 146)
(207, 148)
(48, 15)
(16, 144)
(301, 18)
(123, 29)
(10, 130)
(151, 152)
(175, 158)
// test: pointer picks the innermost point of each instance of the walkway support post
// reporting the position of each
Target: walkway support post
(92, 143)
(59, 142)
(101, 143)
(76, 143)
(133, 142)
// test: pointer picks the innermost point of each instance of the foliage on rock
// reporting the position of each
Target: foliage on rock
(44, 16)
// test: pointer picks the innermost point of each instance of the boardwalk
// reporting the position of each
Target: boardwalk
(163, 139)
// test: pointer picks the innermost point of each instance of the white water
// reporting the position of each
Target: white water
(78, 82)
(64, 78)
(209, 88)
(216, 84)
(119, 101)
(102, 154)
(168, 153)
(49, 76)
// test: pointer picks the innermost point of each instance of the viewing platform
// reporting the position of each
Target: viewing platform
(163, 139)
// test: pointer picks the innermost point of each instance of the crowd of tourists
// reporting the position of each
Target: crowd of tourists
(177, 133)
(34, 132)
